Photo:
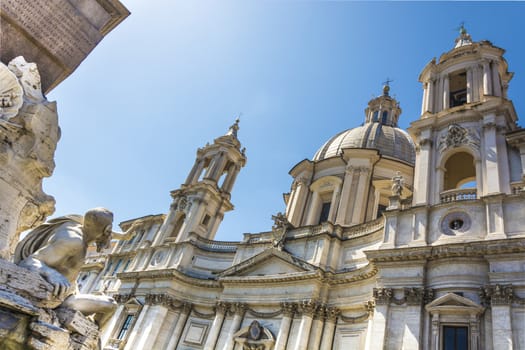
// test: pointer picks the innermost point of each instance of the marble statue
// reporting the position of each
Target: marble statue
(397, 184)
(57, 250)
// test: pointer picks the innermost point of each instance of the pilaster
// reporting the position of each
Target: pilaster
(220, 310)
(307, 308)
(239, 309)
(286, 322)
(331, 315)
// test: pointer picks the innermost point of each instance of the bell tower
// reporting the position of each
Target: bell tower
(462, 152)
(200, 203)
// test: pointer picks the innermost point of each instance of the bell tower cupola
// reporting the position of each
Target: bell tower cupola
(383, 109)
(462, 151)
(199, 205)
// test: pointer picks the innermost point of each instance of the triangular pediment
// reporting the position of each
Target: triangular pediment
(453, 302)
(271, 262)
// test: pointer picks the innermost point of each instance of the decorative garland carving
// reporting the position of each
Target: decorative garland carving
(167, 301)
(203, 315)
(259, 314)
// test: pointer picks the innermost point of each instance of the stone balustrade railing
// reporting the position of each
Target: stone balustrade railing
(216, 246)
(463, 194)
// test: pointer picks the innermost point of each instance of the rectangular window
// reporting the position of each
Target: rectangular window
(455, 338)
(325, 210)
(125, 327)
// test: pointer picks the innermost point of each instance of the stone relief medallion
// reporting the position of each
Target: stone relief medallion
(11, 93)
(454, 223)
(159, 257)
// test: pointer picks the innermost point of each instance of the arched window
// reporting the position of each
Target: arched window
(384, 117)
(375, 118)
(460, 171)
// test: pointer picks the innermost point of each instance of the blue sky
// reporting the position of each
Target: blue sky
(175, 75)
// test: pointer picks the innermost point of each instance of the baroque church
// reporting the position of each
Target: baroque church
(391, 239)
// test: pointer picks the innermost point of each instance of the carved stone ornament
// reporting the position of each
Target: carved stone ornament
(10, 93)
(456, 136)
(497, 294)
(255, 337)
(454, 223)
(383, 296)
(29, 77)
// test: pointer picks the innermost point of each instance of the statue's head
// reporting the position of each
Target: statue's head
(98, 224)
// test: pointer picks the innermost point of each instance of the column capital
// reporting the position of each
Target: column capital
(221, 307)
(383, 296)
(331, 313)
(308, 307)
(238, 308)
(288, 309)
(497, 294)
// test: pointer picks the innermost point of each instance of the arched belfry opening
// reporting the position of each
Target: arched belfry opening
(460, 172)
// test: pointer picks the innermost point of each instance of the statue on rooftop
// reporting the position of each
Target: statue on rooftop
(397, 184)
(57, 249)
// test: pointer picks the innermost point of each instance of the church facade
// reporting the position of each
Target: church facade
(391, 239)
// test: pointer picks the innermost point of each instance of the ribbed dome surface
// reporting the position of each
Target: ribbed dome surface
(389, 141)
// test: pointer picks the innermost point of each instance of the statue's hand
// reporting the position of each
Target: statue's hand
(61, 286)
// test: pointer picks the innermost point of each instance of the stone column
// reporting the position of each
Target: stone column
(446, 93)
(422, 169)
(491, 155)
(496, 83)
(151, 326)
(227, 186)
(317, 329)
(411, 336)
(137, 328)
(424, 104)
(331, 315)
(334, 203)
(430, 97)
(360, 197)
(179, 327)
(195, 171)
(239, 310)
(313, 211)
(434, 333)
(296, 207)
(220, 310)
(501, 301)
(345, 196)
(382, 298)
(218, 166)
(286, 323)
(110, 326)
(487, 78)
(307, 308)
(470, 83)
(438, 102)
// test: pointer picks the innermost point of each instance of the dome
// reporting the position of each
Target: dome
(388, 140)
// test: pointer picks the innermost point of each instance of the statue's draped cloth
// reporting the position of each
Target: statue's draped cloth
(39, 236)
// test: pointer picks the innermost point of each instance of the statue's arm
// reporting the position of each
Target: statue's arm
(48, 258)
(124, 236)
